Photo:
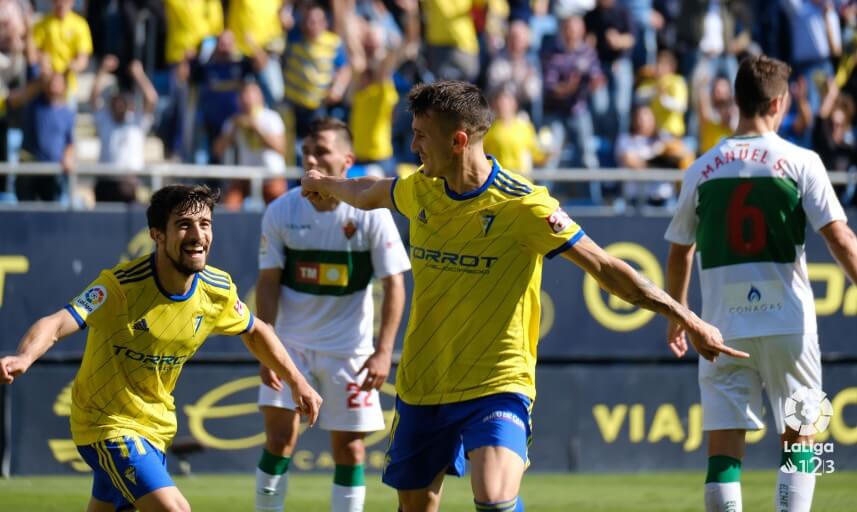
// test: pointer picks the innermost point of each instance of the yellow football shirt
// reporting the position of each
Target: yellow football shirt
(449, 23)
(139, 339)
(258, 20)
(310, 67)
(372, 120)
(477, 266)
(514, 143)
(188, 23)
(63, 39)
(668, 120)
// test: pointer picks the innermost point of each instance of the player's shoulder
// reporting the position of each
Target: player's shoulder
(215, 281)
(129, 273)
(511, 185)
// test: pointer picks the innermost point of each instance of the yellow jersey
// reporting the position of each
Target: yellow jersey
(188, 23)
(477, 266)
(310, 67)
(140, 337)
(514, 143)
(667, 118)
(450, 23)
(372, 120)
(256, 20)
(63, 39)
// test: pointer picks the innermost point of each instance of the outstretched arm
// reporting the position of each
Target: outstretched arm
(618, 278)
(367, 193)
(38, 340)
(842, 244)
(269, 350)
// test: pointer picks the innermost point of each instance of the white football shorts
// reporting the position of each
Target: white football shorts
(731, 389)
(345, 408)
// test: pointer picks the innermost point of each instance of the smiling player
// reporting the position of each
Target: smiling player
(147, 317)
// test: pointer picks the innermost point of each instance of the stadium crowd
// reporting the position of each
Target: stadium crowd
(574, 83)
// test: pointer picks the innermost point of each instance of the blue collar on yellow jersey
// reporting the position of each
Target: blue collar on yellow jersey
(176, 298)
(495, 168)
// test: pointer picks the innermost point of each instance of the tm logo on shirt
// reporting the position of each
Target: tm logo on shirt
(324, 274)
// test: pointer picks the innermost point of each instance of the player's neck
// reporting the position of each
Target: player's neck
(755, 126)
(171, 280)
(472, 170)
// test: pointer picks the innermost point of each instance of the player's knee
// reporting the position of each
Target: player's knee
(349, 452)
(280, 442)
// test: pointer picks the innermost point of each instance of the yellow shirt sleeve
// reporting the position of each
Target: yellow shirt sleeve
(236, 317)
(83, 41)
(547, 229)
(99, 303)
(404, 196)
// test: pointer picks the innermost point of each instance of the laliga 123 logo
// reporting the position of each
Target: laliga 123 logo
(808, 411)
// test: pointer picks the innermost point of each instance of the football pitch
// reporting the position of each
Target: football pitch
(542, 492)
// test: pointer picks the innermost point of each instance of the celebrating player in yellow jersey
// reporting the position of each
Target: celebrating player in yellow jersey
(146, 318)
(478, 235)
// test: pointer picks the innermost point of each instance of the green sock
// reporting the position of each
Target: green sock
(273, 464)
(349, 476)
(801, 458)
(723, 469)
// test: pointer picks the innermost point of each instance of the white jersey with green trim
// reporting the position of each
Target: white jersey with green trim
(328, 261)
(745, 204)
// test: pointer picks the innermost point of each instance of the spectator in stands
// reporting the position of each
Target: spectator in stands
(644, 148)
(121, 130)
(516, 67)
(611, 27)
(816, 38)
(63, 37)
(797, 125)
(316, 69)
(375, 95)
(512, 138)
(647, 22)
(256, 135)
(220, 80)
(48, 135)
(718, 114)
(833, 135)
(14, 36)
(571, 73)
(189, 22)
(666, 93)
(258, 27)
(452, 48)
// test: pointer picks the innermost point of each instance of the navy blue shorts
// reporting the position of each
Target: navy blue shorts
(125, 469)
(426, 439)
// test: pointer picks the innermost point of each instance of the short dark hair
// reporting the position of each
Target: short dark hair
(179, 199)
(332, 124)
(759, 80)
(459, 103)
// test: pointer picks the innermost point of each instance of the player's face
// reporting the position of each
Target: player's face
(433, 142)
(325, 153)
(187, 240)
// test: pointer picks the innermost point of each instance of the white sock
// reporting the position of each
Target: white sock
(723, 497)
(794, 491)
(270, 491)
(347, 499)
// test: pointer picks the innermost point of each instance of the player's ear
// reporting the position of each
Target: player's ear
(459, 141)
(156, 235)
